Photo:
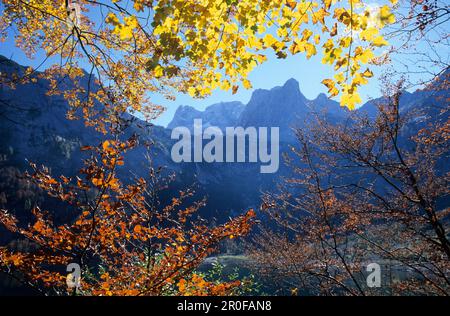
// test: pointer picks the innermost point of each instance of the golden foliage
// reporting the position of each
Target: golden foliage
(193, 47)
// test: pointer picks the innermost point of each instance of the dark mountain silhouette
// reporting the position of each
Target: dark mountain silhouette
(33, 126)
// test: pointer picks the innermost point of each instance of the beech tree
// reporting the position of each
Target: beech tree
(129, 50)
(365, 191)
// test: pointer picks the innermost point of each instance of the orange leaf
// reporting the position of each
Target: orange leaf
(137, 229)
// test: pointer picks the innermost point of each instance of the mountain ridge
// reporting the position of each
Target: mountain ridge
(45, 136)
(267, 107)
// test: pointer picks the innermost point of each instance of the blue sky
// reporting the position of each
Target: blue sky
(274, 72)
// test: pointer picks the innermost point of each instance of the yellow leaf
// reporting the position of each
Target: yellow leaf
(192, 91)
(310, 50)
(364, 56)
(359, 80)
(350, 99)
(16, 260)
(106, 145)
(369, 34)
(159, 71)
(182, 285)
(306, 34)
(225, 85)
(297, 46)
(291, 4)
(339, 77)
(261, 58)
(332, 90)
(345, 41)
(247, 84)
(112, 19)
(319, 16)
(269, 40)
(317, 39)
(97, 181)
(125, 33)
(367, 74)
(138, 5)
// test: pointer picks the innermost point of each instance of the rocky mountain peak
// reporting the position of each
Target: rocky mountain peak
(221, 114)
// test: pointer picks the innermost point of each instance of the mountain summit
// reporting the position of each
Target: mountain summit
(220, 114)
(283, 106)
(275, 107)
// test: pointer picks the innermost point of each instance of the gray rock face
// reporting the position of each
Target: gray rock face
(220, 114)
(184, 116)
(276, 107)
(284, 107)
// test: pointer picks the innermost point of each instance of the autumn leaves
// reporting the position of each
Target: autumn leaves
(232, 39)
(168, 47)
(216, 44)
(125, 240)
